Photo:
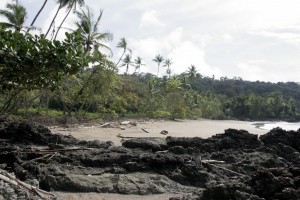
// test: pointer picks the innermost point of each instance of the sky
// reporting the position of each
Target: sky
(251, 39)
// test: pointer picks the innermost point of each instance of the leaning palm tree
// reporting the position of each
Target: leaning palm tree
(39, 12)
(158, 59)
(16, 15)
(122, 44)
(62, 3)
(138, 63)
(127, 62)
(93, 39)
(168, 62)
(71, 5)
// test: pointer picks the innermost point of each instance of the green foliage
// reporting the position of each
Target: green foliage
(33, 62)
(160, 114)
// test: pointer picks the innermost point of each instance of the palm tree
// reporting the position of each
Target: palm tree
(168, 63)
(62, 3)
(39, 12)
(127, 62)
(70, 6)
(138, 63)
(192, 73)
(90, 31)
(16, 15)
(158, 59)
(122, 44)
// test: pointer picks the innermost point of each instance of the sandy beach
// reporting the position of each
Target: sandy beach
(183, 128)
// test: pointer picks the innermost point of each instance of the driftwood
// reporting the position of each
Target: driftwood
(124, 137)
(56, 150)
(105, 125)
(125, 123)
(48, 156)
(13, 180)
(145, 130)
(226, 169)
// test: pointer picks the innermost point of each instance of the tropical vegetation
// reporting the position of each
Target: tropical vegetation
(77, 77)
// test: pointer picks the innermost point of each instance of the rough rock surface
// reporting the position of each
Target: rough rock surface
(235, 165)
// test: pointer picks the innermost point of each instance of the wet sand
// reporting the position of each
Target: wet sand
(102, 196)
(184, 128)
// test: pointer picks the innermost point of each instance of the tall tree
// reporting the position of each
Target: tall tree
(138, 63)
(168, 62)
(71, 5)
(127, 62)
(122, 44)
(93, 39)
(16, 15)
(39, 12)
(192, 73)
(158, 59)
(62, 3)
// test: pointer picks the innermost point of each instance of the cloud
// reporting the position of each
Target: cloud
(252, 69)
(176, 46)
(150, 20)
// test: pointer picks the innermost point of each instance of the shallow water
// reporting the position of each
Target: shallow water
(284, 125)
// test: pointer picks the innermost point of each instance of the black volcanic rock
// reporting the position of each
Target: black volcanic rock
(235, 165)
(278, 135)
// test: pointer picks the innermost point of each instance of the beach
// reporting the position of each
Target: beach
(203, 128)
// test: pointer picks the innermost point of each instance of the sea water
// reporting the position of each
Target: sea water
(284, 125)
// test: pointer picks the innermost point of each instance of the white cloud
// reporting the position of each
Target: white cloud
(177, 47)
(150, 20)
(252, 69)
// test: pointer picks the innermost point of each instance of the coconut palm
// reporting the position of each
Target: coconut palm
(90, 30)
(122, 44)
(71, 5)
(168, 62)
(39, 12)
(192, 73)
(138, 63)
(158, 59)
(62, 3)
(127, 62)
(16, 15)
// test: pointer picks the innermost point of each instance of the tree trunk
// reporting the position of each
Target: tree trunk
(59, 7)
(121, 57)
(64, 20)
(38, 13)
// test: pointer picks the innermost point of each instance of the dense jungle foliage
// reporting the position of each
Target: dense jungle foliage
(76, 77)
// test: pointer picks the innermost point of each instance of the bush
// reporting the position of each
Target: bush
(160, 114)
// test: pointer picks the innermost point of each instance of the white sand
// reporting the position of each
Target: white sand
(184, 128)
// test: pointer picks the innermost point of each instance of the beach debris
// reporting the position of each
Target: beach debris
(105, 125)
(122, 128)
(125, 123)
(164, 132)
(145, 130)
(14, 181)
(128, 123)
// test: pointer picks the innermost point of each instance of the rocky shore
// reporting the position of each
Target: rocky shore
(233, 165)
